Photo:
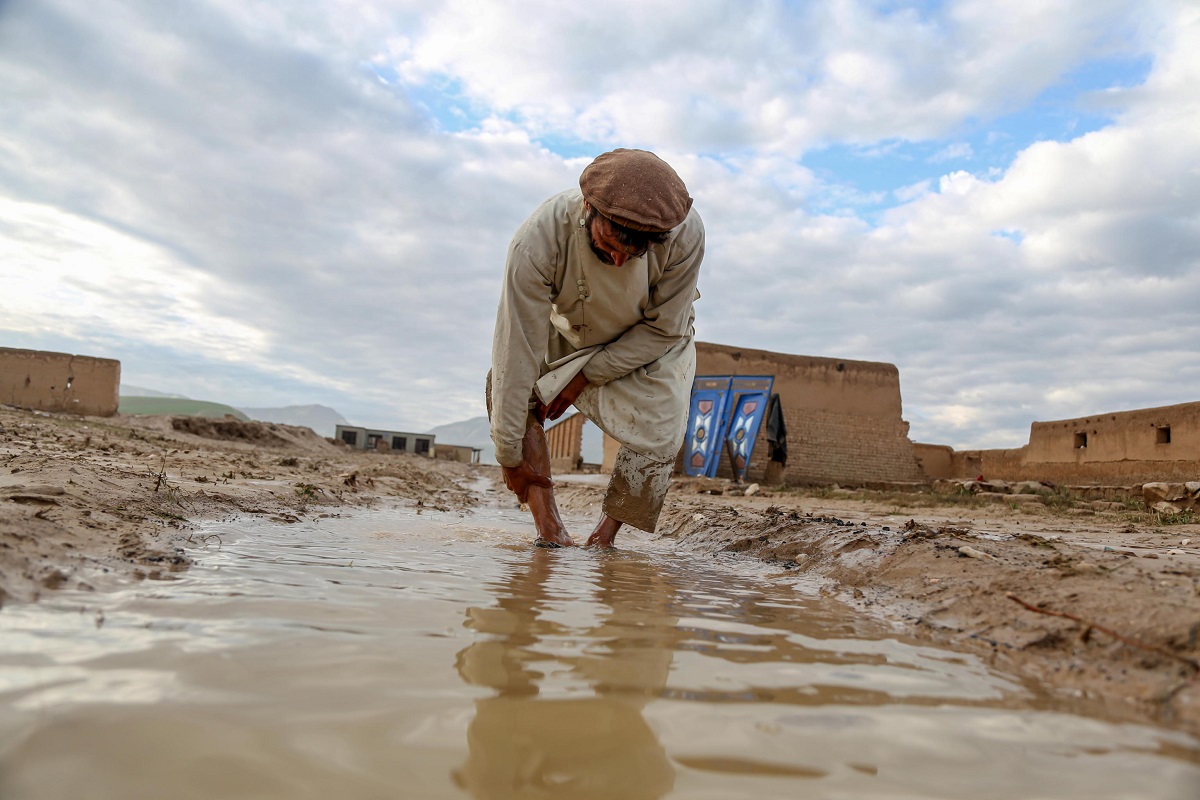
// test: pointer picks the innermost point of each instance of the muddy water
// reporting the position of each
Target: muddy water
(396, 655)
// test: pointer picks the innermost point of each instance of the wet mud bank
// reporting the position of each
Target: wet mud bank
(1099, 610)
(91, 503)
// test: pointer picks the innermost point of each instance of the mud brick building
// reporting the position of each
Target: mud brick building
(1150, 444)
(462, 453)
(843, 418)
(421, 444)
(61, 382)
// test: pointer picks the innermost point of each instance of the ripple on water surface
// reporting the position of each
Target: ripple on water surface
(396, 654)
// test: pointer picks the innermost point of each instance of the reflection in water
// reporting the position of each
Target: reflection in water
(315, 661)
(523, 743)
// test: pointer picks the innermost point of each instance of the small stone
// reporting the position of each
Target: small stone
(752, 490)
(971, 552)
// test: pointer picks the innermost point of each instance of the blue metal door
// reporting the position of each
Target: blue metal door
(745, 419)
(706, 423)
(747, 406)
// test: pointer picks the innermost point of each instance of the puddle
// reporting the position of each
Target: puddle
(396, 655)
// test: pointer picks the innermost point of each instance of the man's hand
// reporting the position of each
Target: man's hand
(566, 397)
(521, 478)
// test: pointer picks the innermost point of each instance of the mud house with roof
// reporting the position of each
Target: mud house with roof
(842, 417)
(421, 444)
(45, 381)
(462, 453)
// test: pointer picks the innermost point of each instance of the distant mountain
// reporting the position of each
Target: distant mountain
(322, 419)
(175, 406)
(141, 391)
(476, 432)
(139, 400)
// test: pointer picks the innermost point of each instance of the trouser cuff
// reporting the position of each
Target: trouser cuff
(637, 489)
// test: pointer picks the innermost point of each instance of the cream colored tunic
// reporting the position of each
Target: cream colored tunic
(628, 328)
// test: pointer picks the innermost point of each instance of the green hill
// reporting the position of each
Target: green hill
(176, 406)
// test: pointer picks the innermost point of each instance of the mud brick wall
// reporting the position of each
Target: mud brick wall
(1003, 465)
(454, 452)
(936, 460)
(1010, 465)
(824, 447)
(1117, 473)
(1119, 448)
(61, 382)
(1167, 433)
(843, 417)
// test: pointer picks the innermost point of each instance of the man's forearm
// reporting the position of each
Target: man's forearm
(639, 346)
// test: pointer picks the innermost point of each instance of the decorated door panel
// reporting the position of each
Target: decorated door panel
(725, 415)
(746, 417)
(706, 418)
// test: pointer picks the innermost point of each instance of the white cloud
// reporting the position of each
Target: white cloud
(229, 186)
(781, 77)
(914, 190)
(954, 152)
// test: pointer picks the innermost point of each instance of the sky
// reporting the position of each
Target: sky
(270, 203)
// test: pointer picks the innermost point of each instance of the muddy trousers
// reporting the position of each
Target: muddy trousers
(637, 488)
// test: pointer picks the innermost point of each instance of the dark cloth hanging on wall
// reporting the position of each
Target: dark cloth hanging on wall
(776, 431)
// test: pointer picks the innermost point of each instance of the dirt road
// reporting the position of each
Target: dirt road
(1099, 606)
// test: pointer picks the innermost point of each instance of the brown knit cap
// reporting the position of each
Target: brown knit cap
(637, 189)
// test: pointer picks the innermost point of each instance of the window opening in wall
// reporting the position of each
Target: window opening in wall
(1162, 434)
(350, 437)
(422, 447)
(1080, 439)
(373, 440)
(399, 442)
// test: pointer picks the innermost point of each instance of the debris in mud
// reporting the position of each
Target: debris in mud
(1088, 626)
(971, 552)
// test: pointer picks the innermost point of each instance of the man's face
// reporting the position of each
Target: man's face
(605, 244)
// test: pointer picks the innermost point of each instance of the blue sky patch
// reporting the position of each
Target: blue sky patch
(877, 174)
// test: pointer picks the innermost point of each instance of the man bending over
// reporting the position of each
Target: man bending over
(596, 312)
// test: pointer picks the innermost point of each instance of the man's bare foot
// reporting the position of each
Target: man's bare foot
(556, 539)
(605, 534)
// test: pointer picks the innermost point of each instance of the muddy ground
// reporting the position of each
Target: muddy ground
(1101, 607)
